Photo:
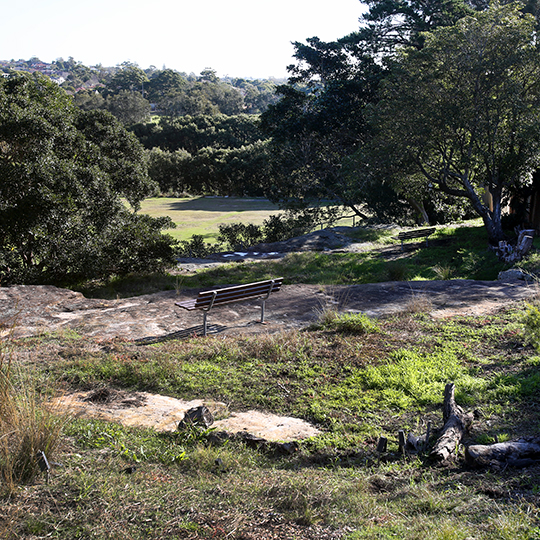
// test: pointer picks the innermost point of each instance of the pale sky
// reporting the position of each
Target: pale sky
(240, 38)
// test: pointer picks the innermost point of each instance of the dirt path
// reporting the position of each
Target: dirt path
(32, 310)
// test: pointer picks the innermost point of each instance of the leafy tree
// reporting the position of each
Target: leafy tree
(462, 115)
(209, 75)
(389, 24)
(62, 175)
(258, 95)
(318, 122)
(129, 107)
(129, 77)
(164, 84)
(167, 169)
(89, 100)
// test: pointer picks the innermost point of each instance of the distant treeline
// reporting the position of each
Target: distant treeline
(206, 154)
(132, 93)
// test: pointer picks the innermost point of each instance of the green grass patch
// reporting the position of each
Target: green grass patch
(355, 378)
(203, 215)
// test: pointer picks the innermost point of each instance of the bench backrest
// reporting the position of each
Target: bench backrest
(417, 233)
(240, 292)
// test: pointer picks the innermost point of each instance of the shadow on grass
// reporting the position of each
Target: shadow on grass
(219, 204)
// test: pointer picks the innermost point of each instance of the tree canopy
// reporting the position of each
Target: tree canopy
(462, 115)
(429, 110)
(63, 173)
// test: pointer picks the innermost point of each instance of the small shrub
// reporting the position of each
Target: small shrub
(276, 228)
(348, 323)
(280, 227)
(531, 322)
(239, 235)
(196, 247)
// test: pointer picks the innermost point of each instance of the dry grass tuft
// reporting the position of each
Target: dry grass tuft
(418, 303)
(26, 425)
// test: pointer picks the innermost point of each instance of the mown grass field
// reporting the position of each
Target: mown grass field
(355, 378)
(203, 215)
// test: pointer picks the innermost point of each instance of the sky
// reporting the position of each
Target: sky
(237, 38)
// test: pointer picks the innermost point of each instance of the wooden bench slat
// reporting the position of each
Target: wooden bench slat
(417, 233)
(229, 295)
(248, 287)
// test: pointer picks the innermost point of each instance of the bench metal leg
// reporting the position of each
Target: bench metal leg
(262, 310)
(205, 312)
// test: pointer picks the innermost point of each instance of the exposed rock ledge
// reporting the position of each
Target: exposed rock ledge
(34, 309)
(163, 413)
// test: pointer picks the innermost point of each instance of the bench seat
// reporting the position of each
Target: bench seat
(415, 233)
(206, 300)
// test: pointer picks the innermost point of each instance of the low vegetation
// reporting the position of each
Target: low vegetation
(456, 252)
(355, 378)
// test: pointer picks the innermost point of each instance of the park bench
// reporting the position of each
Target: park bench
(206, 300)
(415, 233)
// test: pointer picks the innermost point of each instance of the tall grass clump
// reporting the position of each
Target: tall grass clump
(26, 425)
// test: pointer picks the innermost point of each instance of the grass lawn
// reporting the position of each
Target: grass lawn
(203, 215)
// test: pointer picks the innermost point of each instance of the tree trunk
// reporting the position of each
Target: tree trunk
(520, 453)
(419, 207)
(456, 424)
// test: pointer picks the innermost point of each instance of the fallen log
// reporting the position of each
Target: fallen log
(456, 425)
(520, 453)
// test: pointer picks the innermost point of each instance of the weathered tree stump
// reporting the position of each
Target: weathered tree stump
(456, 425)
(511, 254)
(520, 453)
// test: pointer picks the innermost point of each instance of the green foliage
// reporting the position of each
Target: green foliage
(196, 247)
(240, 235)
(531, 323)
(62, 175)
(276, 228)
(206, 154)
(193, 133)
(348, 323)
(480, 133)
(129, 107)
